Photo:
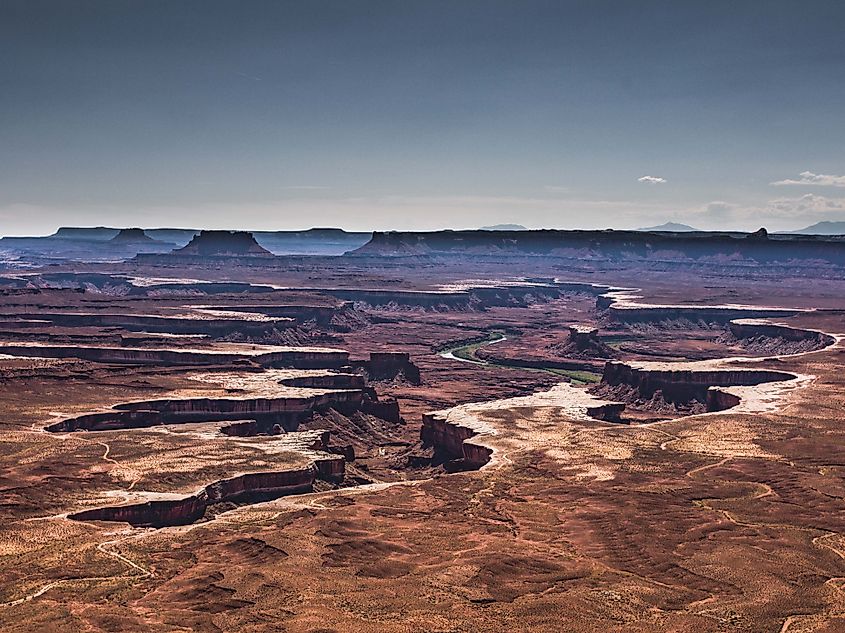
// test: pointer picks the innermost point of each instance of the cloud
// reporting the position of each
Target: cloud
(718, 210)
(808, 178)
(652, 180)
(807, 206)
(787, 213)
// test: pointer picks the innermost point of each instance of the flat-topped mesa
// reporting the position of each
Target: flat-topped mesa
(682, 386)
(94, 233)
(132, 236)
(223, 244)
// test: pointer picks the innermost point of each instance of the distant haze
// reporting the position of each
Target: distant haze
(421, 115)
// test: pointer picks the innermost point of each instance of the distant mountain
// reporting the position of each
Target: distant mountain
(821, 228)
(674, 227)
(503, 227)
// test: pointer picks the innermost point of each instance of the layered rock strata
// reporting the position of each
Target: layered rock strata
(683, 383)
(389, 365)
(266, 356)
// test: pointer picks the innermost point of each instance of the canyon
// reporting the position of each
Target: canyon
(454, 431)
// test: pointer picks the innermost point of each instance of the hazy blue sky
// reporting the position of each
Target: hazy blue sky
(421, 114)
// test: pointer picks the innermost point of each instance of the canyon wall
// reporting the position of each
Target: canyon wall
(451, 441)
(744, 328)
(686, 385)
(294, 358)
(249, 486)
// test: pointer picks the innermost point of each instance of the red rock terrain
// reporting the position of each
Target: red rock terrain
(343, 457)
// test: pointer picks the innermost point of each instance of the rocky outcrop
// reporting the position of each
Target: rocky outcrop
(268, 402)
(389, 365)
(610, 412)
(309, 457)
(159, 513)
(769, 339)
(387, 409)
(327, 381)
(584, 343)
(321, 315)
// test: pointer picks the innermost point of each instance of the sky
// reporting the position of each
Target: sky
(421, 114)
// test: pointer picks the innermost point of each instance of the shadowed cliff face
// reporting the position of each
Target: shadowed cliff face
(451, 443)
(247, 488)
(614, 245)
(286, 412)
(681, 386)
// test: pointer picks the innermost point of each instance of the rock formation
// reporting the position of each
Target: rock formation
(584, 342)
(610, 245)
(131, 236)
(389, 365)
(223, 244)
